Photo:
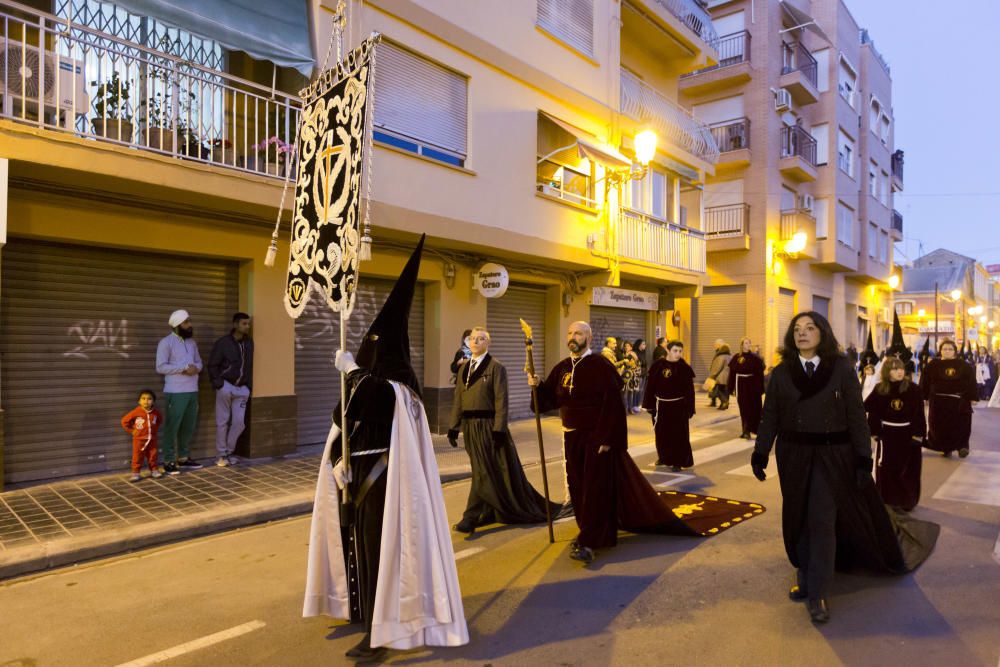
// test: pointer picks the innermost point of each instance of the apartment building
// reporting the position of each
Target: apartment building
(143, 158)
(799, 213)
(947, 295)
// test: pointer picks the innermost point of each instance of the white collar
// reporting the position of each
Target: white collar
(814, 359)
(476, 359)
(587, 353)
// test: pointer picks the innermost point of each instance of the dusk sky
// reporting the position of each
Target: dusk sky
(945, 100)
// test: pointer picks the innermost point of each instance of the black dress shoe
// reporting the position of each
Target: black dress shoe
(963, 452)
(797, 593)
(818, 611)
(583, 554)
(363, 651)
(745, 435)
(675, 468)
(659, 463)
(465, 526)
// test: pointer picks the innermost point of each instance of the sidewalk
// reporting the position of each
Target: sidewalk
(61, 523)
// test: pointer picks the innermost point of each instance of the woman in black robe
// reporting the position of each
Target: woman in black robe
(746, 380)
(948, 383)
(832, 516)
(896, 419)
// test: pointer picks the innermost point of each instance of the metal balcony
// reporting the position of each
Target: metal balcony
(896, 163)
(896, 226)
(97, 86)
(694, 16)
(673, 123)
(651, 241)
(732, 69)
(799, 73)
(727, 227)
(798, 153)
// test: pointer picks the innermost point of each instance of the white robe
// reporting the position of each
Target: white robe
(417, 598)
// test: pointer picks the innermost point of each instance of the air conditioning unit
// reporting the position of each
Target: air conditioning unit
(806, 203)
(782, 100)
(28, 71)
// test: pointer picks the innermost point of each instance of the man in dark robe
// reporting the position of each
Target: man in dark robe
(606, 488)
(832, 515)
(500, 493)
(390, 448)
(948, 384)
(746, 379)
(669, 398)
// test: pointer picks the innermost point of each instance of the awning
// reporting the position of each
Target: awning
(802, 20)
(588, 147)
(277, 30)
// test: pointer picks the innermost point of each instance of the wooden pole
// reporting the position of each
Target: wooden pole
(345, 451)
(529, 366)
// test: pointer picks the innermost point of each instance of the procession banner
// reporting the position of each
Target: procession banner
(323, 256)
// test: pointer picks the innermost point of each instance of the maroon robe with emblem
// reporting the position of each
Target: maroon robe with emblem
(746, 379)
(897, 419)
(949, 386)
(669, 398)
(607, 490)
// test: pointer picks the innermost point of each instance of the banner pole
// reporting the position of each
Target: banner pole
(345, 451)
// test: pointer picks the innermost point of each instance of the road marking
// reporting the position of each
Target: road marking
(974, 481)
(194, 645)
(465, 553)
(996, 552)
(746, 471)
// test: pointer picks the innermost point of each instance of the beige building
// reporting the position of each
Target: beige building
(801, 107)
(142, 163)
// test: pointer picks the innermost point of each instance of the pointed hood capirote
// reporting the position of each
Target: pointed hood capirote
(869, 357)
(385, 349)
(925, 353)
(898, 346)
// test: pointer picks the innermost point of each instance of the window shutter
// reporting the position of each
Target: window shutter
(420, 100)
(570, 20)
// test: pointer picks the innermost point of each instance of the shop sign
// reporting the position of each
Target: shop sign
(617, 297)
(492, 280)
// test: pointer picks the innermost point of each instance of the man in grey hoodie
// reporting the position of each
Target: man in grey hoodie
(178, 361)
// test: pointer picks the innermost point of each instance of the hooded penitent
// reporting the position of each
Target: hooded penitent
(869, 357)
(385, 349)
(925, 353)
(898, 346)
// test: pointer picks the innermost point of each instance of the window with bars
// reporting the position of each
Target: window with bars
(420, 106)
(571, 21)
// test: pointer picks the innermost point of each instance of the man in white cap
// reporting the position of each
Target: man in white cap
(178, 361)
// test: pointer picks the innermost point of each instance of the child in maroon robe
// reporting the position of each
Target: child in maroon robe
(669, 398)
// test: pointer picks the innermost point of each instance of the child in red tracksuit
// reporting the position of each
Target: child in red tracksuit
(143, 423)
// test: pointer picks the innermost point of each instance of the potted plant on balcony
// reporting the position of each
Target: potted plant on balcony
(273, 156)
(222, 151)
(111, 104)
(157, 122)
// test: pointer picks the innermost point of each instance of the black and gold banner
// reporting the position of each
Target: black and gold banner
(331, 144)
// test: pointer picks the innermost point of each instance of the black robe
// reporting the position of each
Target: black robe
(500, 492)
(746, 378)
(607, 489)
(669, 397)
(370, 408)
(820, 427)
(896, 419)
(949, 386)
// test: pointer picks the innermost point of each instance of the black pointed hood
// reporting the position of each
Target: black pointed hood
(869, 357)
(925, 353)
(385, 349)
(898, 346)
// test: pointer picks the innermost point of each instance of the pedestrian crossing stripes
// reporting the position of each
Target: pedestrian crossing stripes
(974, 481)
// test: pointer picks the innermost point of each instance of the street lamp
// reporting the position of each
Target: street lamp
(893, 281)
(644, 145)
(956, 295)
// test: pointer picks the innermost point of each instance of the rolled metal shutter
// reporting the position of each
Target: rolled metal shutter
(80, 327)
(503, 319)
(720, 312)
(317, 338)
(622, 323)
(786, 311)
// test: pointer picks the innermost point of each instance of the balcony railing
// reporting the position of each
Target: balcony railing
(897, 221)
(733, 50)
(672, 122)
(796, 57)
(646, 239)
(795, 140)
(97, 86)
(796, 220)
(725, 221)
(731, 135)
(897, 164)
(694, 16)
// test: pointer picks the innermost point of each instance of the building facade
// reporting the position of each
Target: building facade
(143, 161)
(799, 214)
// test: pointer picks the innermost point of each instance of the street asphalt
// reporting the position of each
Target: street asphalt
(235, 598)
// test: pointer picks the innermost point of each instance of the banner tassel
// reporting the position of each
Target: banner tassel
(272, 251)
(365, 251)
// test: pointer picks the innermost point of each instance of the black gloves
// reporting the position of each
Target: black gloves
(863, 472)
(499, 438)
(758, 462)
(453, 438)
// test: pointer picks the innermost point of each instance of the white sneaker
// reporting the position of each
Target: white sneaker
(232, 460)
(135, 477)
(222, 462)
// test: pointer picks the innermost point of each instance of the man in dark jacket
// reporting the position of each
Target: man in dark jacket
(230, 367)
